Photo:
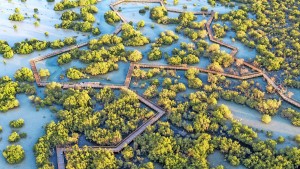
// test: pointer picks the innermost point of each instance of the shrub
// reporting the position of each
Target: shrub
(44, 72)
(64, 58)
(111, 17)
(74, 74)
(57, 44)
(141, 24)
(69, 41)
(16, 17)
(155, 54)
(13, 137)
(280, 139)
(14, 154)
(16, 123)
(24, 74)
(158, 12)
(266, 118)
(142, 11)
(135, 56)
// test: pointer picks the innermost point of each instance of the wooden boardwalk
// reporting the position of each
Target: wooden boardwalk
(118, 30)
(160, 112)
(35, 72)
(241, 77)
(181, 11)
(60, 157)
(233, 54)
(125, 141)
(129, 75)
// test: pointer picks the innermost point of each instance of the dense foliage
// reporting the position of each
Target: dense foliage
(17, 123)
(132, 37)
(203, 129)
(14, 154)
(17, 16)
(24, 75)
(293, 115)
(44, 73)
(111, 17)
(123, 115)
(195, 125)
(273, 31)
(8, 91)
(6, 50)
(14, 137)
(67, 4)
(82, 21)
(31, 45)
(253, 98)
(166, 38)
(155, 54)
(75, 74)
(89, 158)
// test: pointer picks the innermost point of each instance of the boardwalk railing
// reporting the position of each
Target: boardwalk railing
(181, 11)
(127, 140)
(160, 111)
(234, 52)
(241, 77)
(129, 75)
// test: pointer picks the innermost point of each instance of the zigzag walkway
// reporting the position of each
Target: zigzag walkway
(63, 50)
(181, 11)
(233, 53)
(160, 112)
(243, 77)
(283, 96)
(35, 72)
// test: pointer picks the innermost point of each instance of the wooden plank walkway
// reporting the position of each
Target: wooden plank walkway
(241, 77)
(60, 157)
(63, 50)
(233, 54)
(160, 112)
(129, 75)
(118, 30)
(125, 141)
(35, 72)
(181, 11)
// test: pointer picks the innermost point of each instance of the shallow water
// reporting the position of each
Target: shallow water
(244, 52)
(279, 126)
(34, 123)
(295, 93)
(26, 29)
(196, 5)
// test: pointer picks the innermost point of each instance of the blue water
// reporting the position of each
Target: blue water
(34, 121)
